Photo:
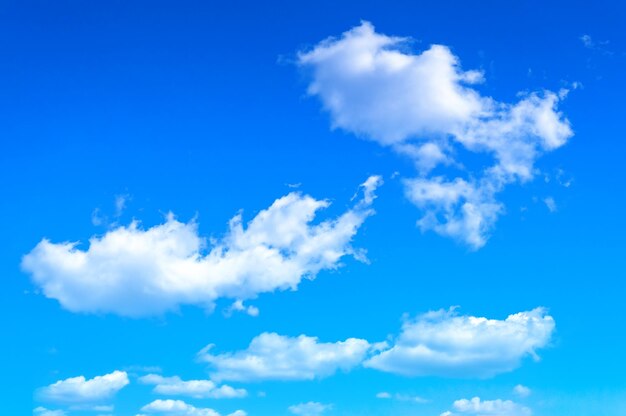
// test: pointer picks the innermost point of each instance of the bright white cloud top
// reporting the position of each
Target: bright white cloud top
(199, 389)
(276, 357)
(81, 390)
(426, 107)
(438, 343)
(180, 408)
(478, 407)
(137, 272)
(442, 343)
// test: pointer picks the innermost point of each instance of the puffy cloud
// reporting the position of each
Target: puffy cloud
(42, 411)
(373, 89)
(275, 357)
(136, 272)
(424, 106)
(463, 210)
(81, 390)
(478, 407)
(180, 408)
(442, 343)
(521, 390)
(192, 388)
(309, 409)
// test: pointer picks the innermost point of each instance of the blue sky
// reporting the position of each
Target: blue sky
(354, 208)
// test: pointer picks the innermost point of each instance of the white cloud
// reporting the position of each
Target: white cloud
(463, 210)
(192, 388)
(600, 46)
(42, 411)
(478, 407)
(275, 357)
(120, 204)
(238, 306)
(93, 408)
(401, 397)
(521, 390)
(424, 106)
(438, 343)
(550, 204)
(137, 272)
(81, 390)
(180, 408)
(442, 343)
(309, 409)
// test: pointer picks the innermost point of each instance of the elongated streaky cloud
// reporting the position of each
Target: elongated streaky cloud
(309, 409)
(276, 357)
(478, 407)
(136, 272)
(82, 390)
(442, 343)
(180, 408)
(199, 389)
(42, 411)
(424, 106)
(439, 343)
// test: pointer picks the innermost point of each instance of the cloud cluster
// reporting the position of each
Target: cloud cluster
(180, 408)
(439, 343)
(199, 389)
(275, 357)
(135, 272)
(478, 407)
(81, 390)
(426, 107)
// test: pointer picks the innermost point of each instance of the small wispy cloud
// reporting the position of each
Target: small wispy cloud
(550, 203)
(600, 46)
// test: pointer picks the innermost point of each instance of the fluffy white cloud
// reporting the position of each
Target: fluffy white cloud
(459, 209)
(424, 106)
(478, 407)
(275, 357)
(79, 389)
(309, 409)
(42, 411)
(192, 388)
(443, 343)
(136, 272)
(440, 343)
(180, 408)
